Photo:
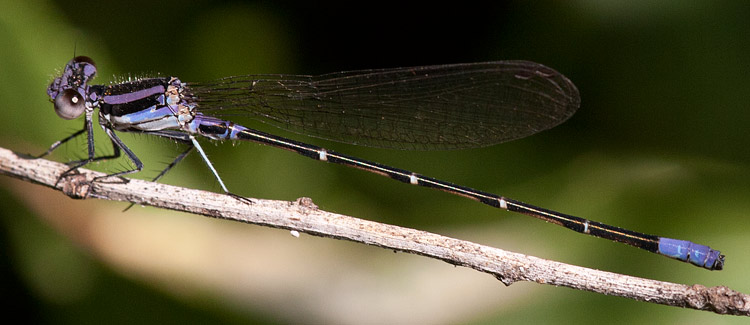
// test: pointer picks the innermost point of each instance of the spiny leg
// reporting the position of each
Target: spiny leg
(88, 129)
(60, 142)
(192, 144)
(118, 145)
(172, 164)
(174, 135)
(216, 174)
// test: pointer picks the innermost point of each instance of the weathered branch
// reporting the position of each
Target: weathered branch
(303, 216)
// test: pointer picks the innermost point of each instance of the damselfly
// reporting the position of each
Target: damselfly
(429, 107)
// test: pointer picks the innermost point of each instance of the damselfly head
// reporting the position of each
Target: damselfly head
(69, 90)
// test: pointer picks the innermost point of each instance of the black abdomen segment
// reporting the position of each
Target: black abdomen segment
(686, 251)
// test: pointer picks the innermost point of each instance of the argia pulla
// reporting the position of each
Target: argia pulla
(429, 107)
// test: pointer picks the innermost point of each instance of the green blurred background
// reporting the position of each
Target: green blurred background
(659, 145)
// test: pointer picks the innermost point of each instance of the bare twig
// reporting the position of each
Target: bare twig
(303, 216)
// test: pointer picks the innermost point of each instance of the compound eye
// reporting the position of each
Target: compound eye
(69, 104)
(81, 58)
